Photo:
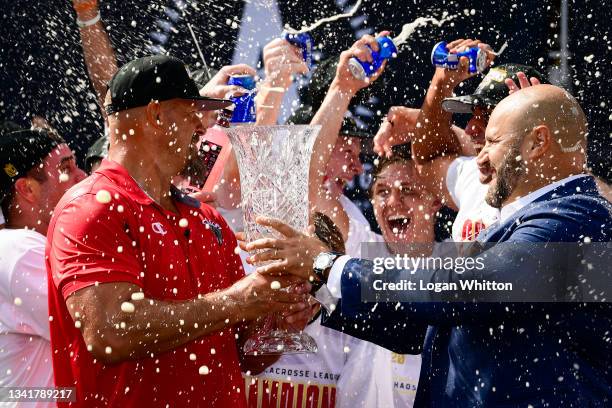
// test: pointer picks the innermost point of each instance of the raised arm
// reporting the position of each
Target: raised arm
(435, 134)
(282, 61)
(431, 132)
(331, 112)
(98, 52)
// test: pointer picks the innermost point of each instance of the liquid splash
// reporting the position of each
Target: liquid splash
(409, 29)
(324, 20)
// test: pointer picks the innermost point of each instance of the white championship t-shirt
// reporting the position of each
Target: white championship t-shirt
(396, 374)
(25, 348)
(463, 184)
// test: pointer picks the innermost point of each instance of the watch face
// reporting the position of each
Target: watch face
(322, 261)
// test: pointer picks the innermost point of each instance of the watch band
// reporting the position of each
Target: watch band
(88, 23)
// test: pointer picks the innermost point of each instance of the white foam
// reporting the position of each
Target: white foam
(324, 20)
(410, 28)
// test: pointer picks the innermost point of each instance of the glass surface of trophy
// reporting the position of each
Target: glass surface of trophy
(274, 163)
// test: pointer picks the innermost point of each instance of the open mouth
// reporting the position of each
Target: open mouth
(398, 224)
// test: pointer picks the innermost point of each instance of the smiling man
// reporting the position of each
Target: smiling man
(436, 142)
(36, 169)
(482, 349)
(148, 301)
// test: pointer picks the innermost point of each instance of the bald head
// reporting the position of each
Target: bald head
(549, 106)
(534, 137)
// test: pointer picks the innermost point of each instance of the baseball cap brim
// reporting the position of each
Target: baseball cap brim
(209, 104)
(466, 103)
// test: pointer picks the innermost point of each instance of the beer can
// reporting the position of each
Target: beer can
(363, 69)
(244, 105)
(440, 57)
(304, 42)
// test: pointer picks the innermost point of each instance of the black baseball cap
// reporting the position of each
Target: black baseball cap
(97, 151)
(157, 77)
(491, 90)
(20, 152)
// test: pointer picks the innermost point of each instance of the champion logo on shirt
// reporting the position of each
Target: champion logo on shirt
(158, 228)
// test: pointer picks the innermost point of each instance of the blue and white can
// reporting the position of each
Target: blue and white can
(244, 105)
(440, 57)
(363, 69)
(304, 42)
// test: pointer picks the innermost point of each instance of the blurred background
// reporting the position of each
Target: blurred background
(42, 70)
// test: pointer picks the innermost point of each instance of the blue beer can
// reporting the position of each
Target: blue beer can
(244, 105)
(363, 69)
(440, 57)
(304, 42)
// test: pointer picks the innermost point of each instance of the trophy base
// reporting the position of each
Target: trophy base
(280, 342)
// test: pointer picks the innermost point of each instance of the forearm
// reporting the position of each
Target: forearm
(434, 135)
(268, 103)
(329, 116)
(449, 297)
(98, 53)
(384, 324)
(157, 326)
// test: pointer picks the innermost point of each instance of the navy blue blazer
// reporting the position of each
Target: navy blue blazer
(501, 354)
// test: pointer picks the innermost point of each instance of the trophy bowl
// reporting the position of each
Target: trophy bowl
(274, 164)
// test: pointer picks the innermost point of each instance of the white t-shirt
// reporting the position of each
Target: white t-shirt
(463, 184)
(359, 228)
(404, 369)
(25, 348)
(343, 373)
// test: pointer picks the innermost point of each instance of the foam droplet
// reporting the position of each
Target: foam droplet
(183, 223)
(138, 296)
(103, 197)
(17, 301)
(64, 177)
(127, 307)
(275, 285)
(203, 370)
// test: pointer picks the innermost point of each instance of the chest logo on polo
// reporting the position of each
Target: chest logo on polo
(158, 228)
(216, 229)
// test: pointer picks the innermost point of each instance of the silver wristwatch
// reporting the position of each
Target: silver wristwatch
(323, 262)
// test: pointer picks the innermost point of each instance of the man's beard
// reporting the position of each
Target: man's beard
(508, 174)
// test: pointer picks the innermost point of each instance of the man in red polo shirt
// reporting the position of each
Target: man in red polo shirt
(148, 301)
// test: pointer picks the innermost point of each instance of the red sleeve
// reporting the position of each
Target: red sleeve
(90, 242)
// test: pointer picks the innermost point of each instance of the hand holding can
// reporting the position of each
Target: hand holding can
(461, 59)
(364, 50)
